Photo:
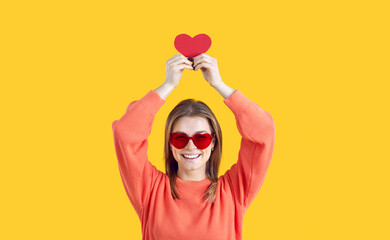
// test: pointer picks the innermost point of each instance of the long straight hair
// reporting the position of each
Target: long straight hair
(192, 108)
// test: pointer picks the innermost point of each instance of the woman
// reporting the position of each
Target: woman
(190, 201)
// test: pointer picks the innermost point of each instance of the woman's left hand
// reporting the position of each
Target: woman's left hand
(209, 68)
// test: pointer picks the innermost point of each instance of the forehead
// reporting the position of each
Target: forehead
(191, 125)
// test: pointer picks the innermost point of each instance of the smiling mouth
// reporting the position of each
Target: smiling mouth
(192, 158)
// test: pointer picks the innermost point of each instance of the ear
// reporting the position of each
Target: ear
(213, 142)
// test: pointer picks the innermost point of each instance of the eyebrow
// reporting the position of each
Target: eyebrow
(195, 132)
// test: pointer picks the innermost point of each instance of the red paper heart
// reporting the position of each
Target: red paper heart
(192, 47)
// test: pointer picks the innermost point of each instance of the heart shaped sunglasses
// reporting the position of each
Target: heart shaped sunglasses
(201, 140)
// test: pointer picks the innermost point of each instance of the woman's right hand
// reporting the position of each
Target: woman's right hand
(175, 67)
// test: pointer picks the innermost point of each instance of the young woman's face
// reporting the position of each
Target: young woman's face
(193, 168)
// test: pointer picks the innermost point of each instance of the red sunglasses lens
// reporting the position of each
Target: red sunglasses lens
(180, 140)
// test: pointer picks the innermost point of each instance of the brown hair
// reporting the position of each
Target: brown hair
(190, 107)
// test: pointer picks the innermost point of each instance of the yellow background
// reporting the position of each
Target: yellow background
(69, 69)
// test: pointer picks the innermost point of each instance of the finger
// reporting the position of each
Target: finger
(183, 66)
(202, 65)
(184, 57)
(203, 56)
(189, 67)
(181, 60)
(186, 60)
(202, 60)
(197, 57)
(200, 55)
(172, 59)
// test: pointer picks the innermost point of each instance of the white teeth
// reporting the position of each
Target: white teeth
(191, 156)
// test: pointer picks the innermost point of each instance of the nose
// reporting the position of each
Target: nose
(190, 145)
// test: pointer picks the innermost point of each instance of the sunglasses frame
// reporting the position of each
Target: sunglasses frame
(212, 135)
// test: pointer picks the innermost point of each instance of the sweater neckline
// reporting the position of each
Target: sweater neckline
(202, 183)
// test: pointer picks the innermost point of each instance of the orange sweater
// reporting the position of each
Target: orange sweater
(190, 217)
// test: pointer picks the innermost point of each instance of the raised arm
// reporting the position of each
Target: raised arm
(257, 129)
(164, 90)
(131, 133)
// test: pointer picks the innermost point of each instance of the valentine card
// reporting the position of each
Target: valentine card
(192, 47)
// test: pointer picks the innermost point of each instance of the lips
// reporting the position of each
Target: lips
(189, 159)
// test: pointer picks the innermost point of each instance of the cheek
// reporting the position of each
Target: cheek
(176, 154)
(207, 154)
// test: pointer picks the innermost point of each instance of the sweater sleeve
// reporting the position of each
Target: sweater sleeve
(257, 129)
(131, 133)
